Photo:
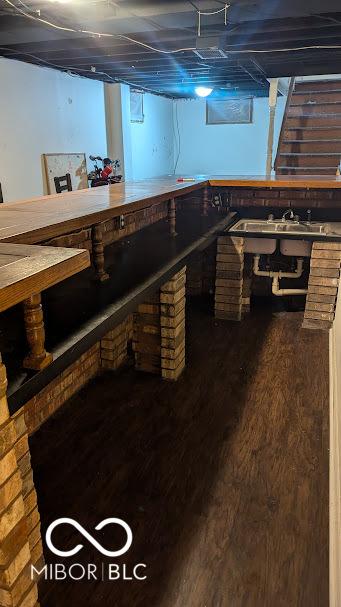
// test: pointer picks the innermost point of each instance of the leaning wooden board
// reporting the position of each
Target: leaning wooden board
(57, 165)
(26, 270)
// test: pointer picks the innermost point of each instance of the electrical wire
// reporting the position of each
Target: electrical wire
(158, 50)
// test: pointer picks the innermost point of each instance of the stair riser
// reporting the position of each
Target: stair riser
(309, 161)
(310, 147)
(334, 133)
(313, 109)
(326, 85)
(308, 121)
(317, 97)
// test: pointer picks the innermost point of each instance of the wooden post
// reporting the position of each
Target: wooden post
(205, 201)
(16, 557)
(272, 109)
(172, 216)
(37, 358)
(98, 253)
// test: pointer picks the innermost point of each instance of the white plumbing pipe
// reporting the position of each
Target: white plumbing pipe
(276, 276)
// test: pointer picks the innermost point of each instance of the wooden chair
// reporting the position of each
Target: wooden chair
(63, 187)
(1, 197)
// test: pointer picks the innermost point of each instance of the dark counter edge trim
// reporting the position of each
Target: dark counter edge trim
(283, 236)
(90, 333)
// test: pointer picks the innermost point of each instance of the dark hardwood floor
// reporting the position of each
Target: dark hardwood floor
(223, 476)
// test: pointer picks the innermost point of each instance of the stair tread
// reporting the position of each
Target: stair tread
(312, 140)
(316, 92)
(310, 153)
(315, 103)
(310, 128)
(289, 168)
(317, 115)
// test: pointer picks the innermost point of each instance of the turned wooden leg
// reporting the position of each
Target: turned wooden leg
(205, 202)
(172, 216)
(98, 253)
(37, 358)
(4, 413)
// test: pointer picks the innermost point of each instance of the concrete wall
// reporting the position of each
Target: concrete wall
(44, 111)
(152, 145)
(233, 149)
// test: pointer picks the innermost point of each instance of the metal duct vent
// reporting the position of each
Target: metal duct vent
(210, 47)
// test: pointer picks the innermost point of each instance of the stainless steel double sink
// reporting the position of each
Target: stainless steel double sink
(292, 247)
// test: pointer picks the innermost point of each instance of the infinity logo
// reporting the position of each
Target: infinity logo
(104, 523)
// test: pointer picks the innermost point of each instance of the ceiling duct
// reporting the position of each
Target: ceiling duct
(210, 47)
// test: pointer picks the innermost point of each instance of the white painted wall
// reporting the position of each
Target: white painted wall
(231, 149)
(44, 111)
(152, 142)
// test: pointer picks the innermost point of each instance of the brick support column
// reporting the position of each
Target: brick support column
(324, 280)
(98, 252)
(229, 279)
(172, 320)
(147, 336)
(114, 346)
(159, 330)
(18, 523)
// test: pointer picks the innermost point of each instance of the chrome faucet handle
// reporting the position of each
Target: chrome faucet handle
(309, 215)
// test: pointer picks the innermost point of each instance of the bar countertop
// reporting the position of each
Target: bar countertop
(37, 219)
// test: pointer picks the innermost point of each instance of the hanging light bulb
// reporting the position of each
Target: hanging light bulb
(203, 91)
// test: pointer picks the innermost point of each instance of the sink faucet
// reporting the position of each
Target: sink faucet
(292, 216)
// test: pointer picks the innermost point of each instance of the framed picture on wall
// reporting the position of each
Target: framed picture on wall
(229, 111)
(136, 106)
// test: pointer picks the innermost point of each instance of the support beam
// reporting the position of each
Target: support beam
(38, 358)
(272, 113)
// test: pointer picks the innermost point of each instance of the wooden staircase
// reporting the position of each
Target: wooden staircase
(310, 139)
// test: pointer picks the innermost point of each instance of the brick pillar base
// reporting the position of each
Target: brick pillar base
(159, 330)
(114, 346)
(172, 320)
(147, 336)
(324, 280)
(229, 278)
(17, 508)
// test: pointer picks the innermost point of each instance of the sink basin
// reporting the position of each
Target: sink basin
(264, 226)
(296, 248)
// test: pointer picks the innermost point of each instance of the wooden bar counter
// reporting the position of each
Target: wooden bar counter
(26, 271)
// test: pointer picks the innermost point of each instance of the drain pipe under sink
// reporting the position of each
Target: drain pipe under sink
(276, 276)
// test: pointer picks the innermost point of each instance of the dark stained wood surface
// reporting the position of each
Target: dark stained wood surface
(223, 476)
(35, 220)
(25, 270)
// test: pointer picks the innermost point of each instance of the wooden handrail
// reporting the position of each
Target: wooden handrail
(287, 105)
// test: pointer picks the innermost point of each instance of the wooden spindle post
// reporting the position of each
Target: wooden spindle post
(172, 216)
(205, 201)
(38, 358)
(98, 253)
(4, 413)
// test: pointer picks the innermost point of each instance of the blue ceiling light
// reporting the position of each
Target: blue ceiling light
(203, 91)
